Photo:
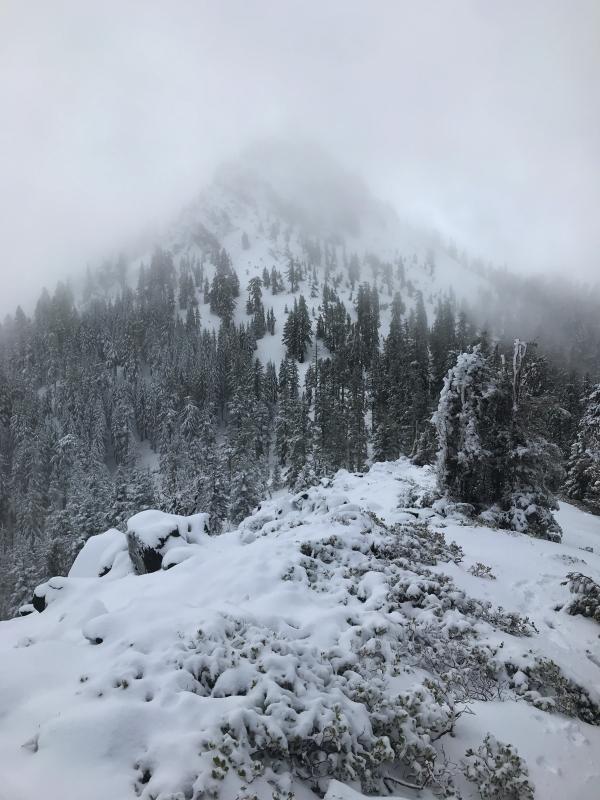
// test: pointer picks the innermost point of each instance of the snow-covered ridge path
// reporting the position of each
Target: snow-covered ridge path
(275, 634)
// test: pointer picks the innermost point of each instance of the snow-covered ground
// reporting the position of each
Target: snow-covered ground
(272, 634)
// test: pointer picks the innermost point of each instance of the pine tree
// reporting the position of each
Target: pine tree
(583, 467)
(224, 288)
(489, 455)
(122, 426)
(391, 390)
(244, 494)
(297, 332)
(353, 270)
(215, 496)
(298, 439)
(293, 274)
(357, 429)
(442, 341)
(472, 422)
(254, 301)
(367, 311)
(417, 341)
(288, 400)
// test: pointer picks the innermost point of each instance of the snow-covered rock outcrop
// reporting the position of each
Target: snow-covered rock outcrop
(151, 535)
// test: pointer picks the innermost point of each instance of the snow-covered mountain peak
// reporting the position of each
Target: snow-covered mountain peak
(278, 201)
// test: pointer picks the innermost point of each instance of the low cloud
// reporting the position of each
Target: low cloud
(479, 119)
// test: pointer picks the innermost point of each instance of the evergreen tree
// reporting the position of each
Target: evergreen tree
(367, 311)
(215, 497)
(254, 301)
(244, 494)
(535, 467)
(224, 288)
(297, 332)
(443, 343)
(293, 274)
(583, 467)
(472, 421)
(353, 270)
(488, 455)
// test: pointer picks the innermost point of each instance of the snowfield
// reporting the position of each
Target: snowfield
(337, 642)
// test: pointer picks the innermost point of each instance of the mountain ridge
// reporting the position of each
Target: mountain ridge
(319, 620)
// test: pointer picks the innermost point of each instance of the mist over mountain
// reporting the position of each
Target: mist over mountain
(114, 116)
(303, 186)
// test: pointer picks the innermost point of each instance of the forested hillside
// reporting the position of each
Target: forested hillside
(285, 327)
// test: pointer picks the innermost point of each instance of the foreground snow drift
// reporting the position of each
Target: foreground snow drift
(337, 634)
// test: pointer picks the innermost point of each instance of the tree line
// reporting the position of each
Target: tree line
(125, 400)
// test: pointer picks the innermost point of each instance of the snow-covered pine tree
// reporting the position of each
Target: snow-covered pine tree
(297, 332)
(535, 465)
(287, 410)
(417, 379)
(489, 454)
(583, 466)
(472, 422)
(298, 439)
(391, 389)
(214, 494)
(224, 288)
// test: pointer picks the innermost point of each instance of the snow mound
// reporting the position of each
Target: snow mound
(337, 635)
(98, 555)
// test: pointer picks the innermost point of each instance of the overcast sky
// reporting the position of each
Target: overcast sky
(479, 118)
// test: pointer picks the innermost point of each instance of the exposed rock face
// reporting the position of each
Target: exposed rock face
(38, 602)
(145, 557)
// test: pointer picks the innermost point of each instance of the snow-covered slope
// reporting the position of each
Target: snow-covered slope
(281, 197)
(319, 640)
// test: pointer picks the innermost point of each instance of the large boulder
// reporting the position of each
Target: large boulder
(152, 534)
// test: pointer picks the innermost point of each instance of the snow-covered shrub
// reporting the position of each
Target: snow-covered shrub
(543, 684)
(480, 570)
(467, 672)
(416, 543)
(587, 596)
(296, 709)
(459, 513)
(251, 692)
(283, 704)
(498, 771)
(536, 472)
(413, 495)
